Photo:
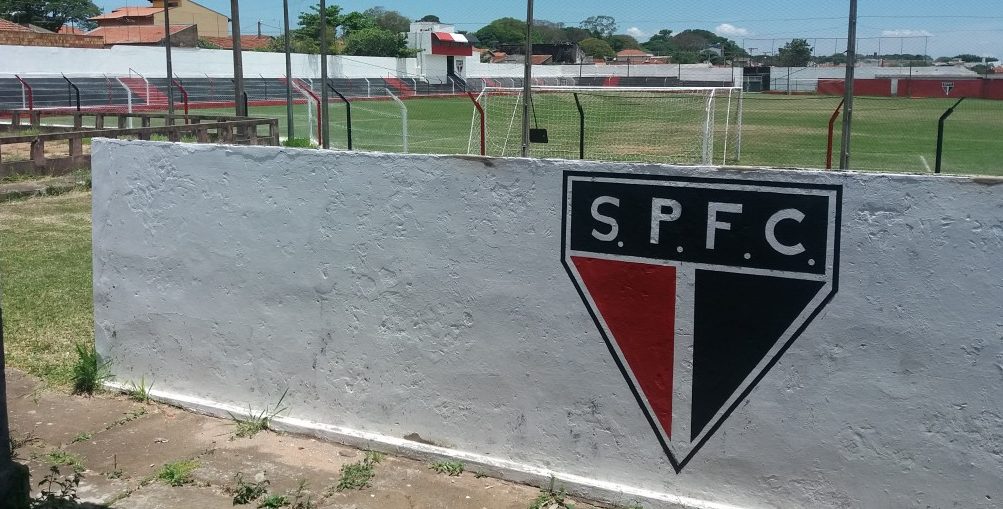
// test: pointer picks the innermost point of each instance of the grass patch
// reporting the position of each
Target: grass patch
(549, 498)
(299, 143)
(82, 437)
(61, 458)
(450, 468)
(89, 371)
(246, 492)
(274, 502)
(178, 473)
(140, 392)
(45, 274)
(256, 422)
(358, 475)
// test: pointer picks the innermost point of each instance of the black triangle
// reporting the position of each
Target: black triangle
(737, 319)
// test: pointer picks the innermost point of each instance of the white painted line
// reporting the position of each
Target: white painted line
(926, 164)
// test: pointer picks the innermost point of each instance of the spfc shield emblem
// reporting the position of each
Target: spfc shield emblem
(698, 286)
(947, 86)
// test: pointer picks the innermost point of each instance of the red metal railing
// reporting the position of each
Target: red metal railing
(832, 125)
(27, 89)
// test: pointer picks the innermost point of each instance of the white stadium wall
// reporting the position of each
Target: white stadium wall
(710, 337)
(197, 63)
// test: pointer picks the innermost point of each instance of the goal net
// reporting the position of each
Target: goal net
(693, 125)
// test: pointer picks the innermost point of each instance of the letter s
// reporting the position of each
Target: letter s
(614, 228)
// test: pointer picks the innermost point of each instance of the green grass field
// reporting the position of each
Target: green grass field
(45, 280)
(890, 134)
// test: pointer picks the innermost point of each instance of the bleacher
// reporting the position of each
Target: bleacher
(205, 92)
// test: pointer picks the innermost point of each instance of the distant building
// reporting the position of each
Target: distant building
(560, 53)
(247, 42)
(12, 34)
(183, 12)
(441, 51)
(182, 36)
(637, 57)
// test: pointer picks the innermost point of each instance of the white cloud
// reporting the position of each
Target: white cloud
(729, 30)
(636, 33)
(905, 32)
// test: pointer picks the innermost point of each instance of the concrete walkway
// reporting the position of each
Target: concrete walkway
(119, 446)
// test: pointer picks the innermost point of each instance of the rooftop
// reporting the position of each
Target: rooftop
(247, 42)
(10, 26)
(129, 12)
(139, 34)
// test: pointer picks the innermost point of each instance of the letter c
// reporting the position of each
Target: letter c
(771, 232)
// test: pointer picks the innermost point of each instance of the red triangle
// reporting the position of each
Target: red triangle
(638, 303)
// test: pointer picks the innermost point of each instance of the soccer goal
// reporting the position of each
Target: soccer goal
(682, 125)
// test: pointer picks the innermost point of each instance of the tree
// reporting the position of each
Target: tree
(309, 22)
(354, 21)
(661, 43)
(430, 18)
(968, 58)
(49, 14)
(601, 26)
(597, 48)
(796, 53)
(622, 42)
(549, 32)
(502, 31)
(388, 20)
(377, 42)
(576, 34)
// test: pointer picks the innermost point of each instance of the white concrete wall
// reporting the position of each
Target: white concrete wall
(187, 62)
(396, 294)
(195, 62)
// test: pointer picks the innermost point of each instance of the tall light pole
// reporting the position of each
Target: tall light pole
(289, 74)
(851, 62)
(527, 86)
(170, 66)
(325, 128)
(238, 63)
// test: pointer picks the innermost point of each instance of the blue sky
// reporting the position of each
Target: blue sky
(948, 26)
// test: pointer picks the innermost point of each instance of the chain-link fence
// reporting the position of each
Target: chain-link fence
(784, 105)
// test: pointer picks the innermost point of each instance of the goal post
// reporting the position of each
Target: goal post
(678, 125)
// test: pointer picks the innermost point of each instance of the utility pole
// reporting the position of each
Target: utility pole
(527, 86)
(170, 65)
(851, 62)
(325, 128)
(238, 62)
(259, 29)
(289, 74)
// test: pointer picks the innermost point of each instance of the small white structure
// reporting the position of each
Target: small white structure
(442, 52)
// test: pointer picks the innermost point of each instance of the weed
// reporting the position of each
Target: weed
(356, 476)
(116, 473)
(299, 143)
(141, 392)
(82, 437)
(551, 499)
(89, 371)
(57, 491)
(257, 422)
(18, 443)
(300, 499)
(274, 502)
(451, 468)
(59, 457)
(129, 417)
(178, 473)
(245, 492)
